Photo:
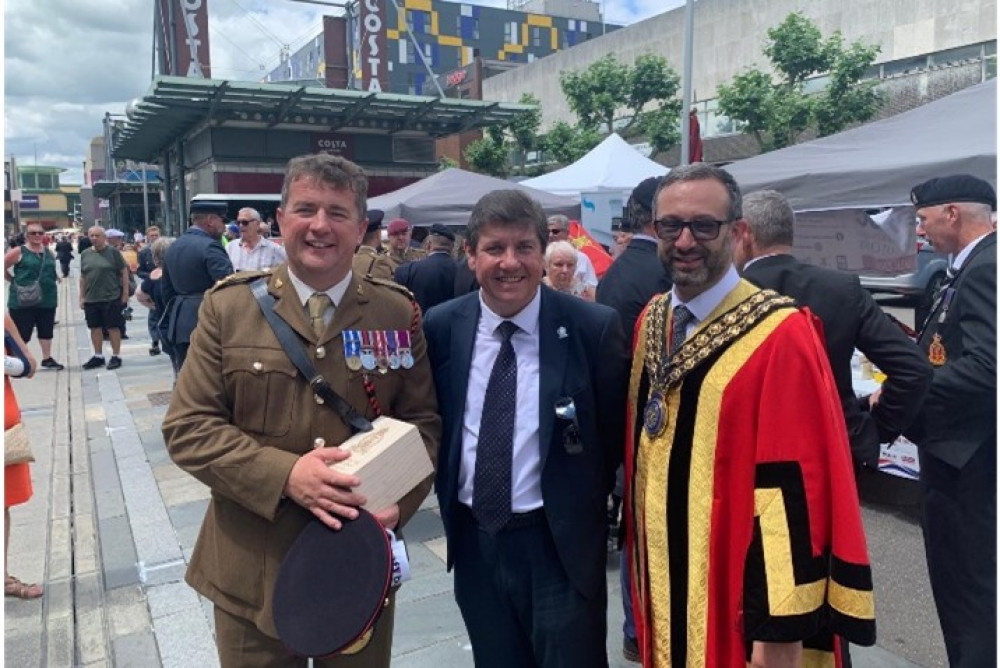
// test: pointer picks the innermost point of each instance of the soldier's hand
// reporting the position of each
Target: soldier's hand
(326, 493)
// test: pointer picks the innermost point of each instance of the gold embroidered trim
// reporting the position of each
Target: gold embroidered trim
(716, 334)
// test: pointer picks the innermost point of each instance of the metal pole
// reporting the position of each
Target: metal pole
(688, 66)
(145, 196)
(172, 21)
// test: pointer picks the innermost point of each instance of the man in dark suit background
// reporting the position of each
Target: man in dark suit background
(956, 432)
(637, 274)
(851, 319)
(530, 385)
(631, 281)
(432, 279)
(192, 265)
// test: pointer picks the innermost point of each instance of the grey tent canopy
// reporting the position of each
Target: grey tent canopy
(448, 197)
(877, 164)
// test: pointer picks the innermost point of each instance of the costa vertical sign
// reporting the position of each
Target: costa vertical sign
(189, 20)
(372, 47)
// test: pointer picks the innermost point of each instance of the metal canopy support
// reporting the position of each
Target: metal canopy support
(286, 107)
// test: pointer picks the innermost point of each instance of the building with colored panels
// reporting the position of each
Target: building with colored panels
(375, 47)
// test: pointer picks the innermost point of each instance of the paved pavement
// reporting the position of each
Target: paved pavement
(113, 522)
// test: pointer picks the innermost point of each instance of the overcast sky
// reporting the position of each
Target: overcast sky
(68, 62)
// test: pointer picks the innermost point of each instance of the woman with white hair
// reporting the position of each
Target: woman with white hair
(560, 269)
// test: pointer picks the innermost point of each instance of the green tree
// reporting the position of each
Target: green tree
(608, 92)
(490, 155)
(444, 162)
(523, 129)
(566, 143)
(777, 112)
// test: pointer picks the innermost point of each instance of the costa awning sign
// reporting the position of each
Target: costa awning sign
(372, 45)
(337, 144)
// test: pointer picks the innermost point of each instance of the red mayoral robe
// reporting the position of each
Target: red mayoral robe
(743, 516)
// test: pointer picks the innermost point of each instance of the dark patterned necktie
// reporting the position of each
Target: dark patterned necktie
(494, 453)
(678, 330)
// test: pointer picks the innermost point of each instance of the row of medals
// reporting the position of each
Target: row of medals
(380, 349)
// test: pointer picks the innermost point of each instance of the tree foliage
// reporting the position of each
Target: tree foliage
(609, 92)
(491, 155)
(776, 113)
(566, 143)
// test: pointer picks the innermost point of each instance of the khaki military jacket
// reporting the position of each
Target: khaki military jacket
(369, 262)
(241, 416)
(409, 255)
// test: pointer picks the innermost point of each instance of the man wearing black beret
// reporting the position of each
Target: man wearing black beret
(432, 279)
(956, 431)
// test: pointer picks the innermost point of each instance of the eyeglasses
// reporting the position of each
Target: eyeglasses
(35, 234)
(555, 231)
(244, 223)
(701, 230)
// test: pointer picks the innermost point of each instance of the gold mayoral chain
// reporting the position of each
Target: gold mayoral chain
(712, 338)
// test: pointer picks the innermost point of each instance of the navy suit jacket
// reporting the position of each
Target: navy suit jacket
(635, 277)
(192, 265)
(582, 354)
(959, 415)
(431, 280)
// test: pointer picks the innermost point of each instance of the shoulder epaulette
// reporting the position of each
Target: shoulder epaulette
(402, 289)
(240, 278)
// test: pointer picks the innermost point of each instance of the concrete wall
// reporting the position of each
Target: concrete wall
(729, 36)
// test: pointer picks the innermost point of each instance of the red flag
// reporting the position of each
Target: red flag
(583, 242)
(695, 147)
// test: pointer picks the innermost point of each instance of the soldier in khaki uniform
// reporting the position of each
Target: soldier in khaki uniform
(370, 258)
(400, 232)
(244, 422)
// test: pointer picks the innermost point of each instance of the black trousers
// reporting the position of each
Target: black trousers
(960, 537)
(518, 604)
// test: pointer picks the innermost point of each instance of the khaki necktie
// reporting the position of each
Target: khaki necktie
(317, 305)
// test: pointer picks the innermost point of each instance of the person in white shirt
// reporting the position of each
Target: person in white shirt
(252, 251)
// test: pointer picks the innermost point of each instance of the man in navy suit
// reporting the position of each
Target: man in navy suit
(530, 385)
(956, 431)
(432, 279)
(192, 265)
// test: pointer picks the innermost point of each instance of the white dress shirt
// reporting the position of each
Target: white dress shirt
(960, 259)
(335, 293)
(265, 254)
(703, 305)
(526, 468)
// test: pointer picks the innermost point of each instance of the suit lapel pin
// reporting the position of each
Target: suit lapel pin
(561, 333)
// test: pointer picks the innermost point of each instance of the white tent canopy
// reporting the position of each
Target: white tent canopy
(611, 165)
(448, 197)
(877, 164)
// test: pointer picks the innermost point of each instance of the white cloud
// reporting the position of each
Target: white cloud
(68, 62)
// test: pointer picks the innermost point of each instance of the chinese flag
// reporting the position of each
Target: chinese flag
(581, 239)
